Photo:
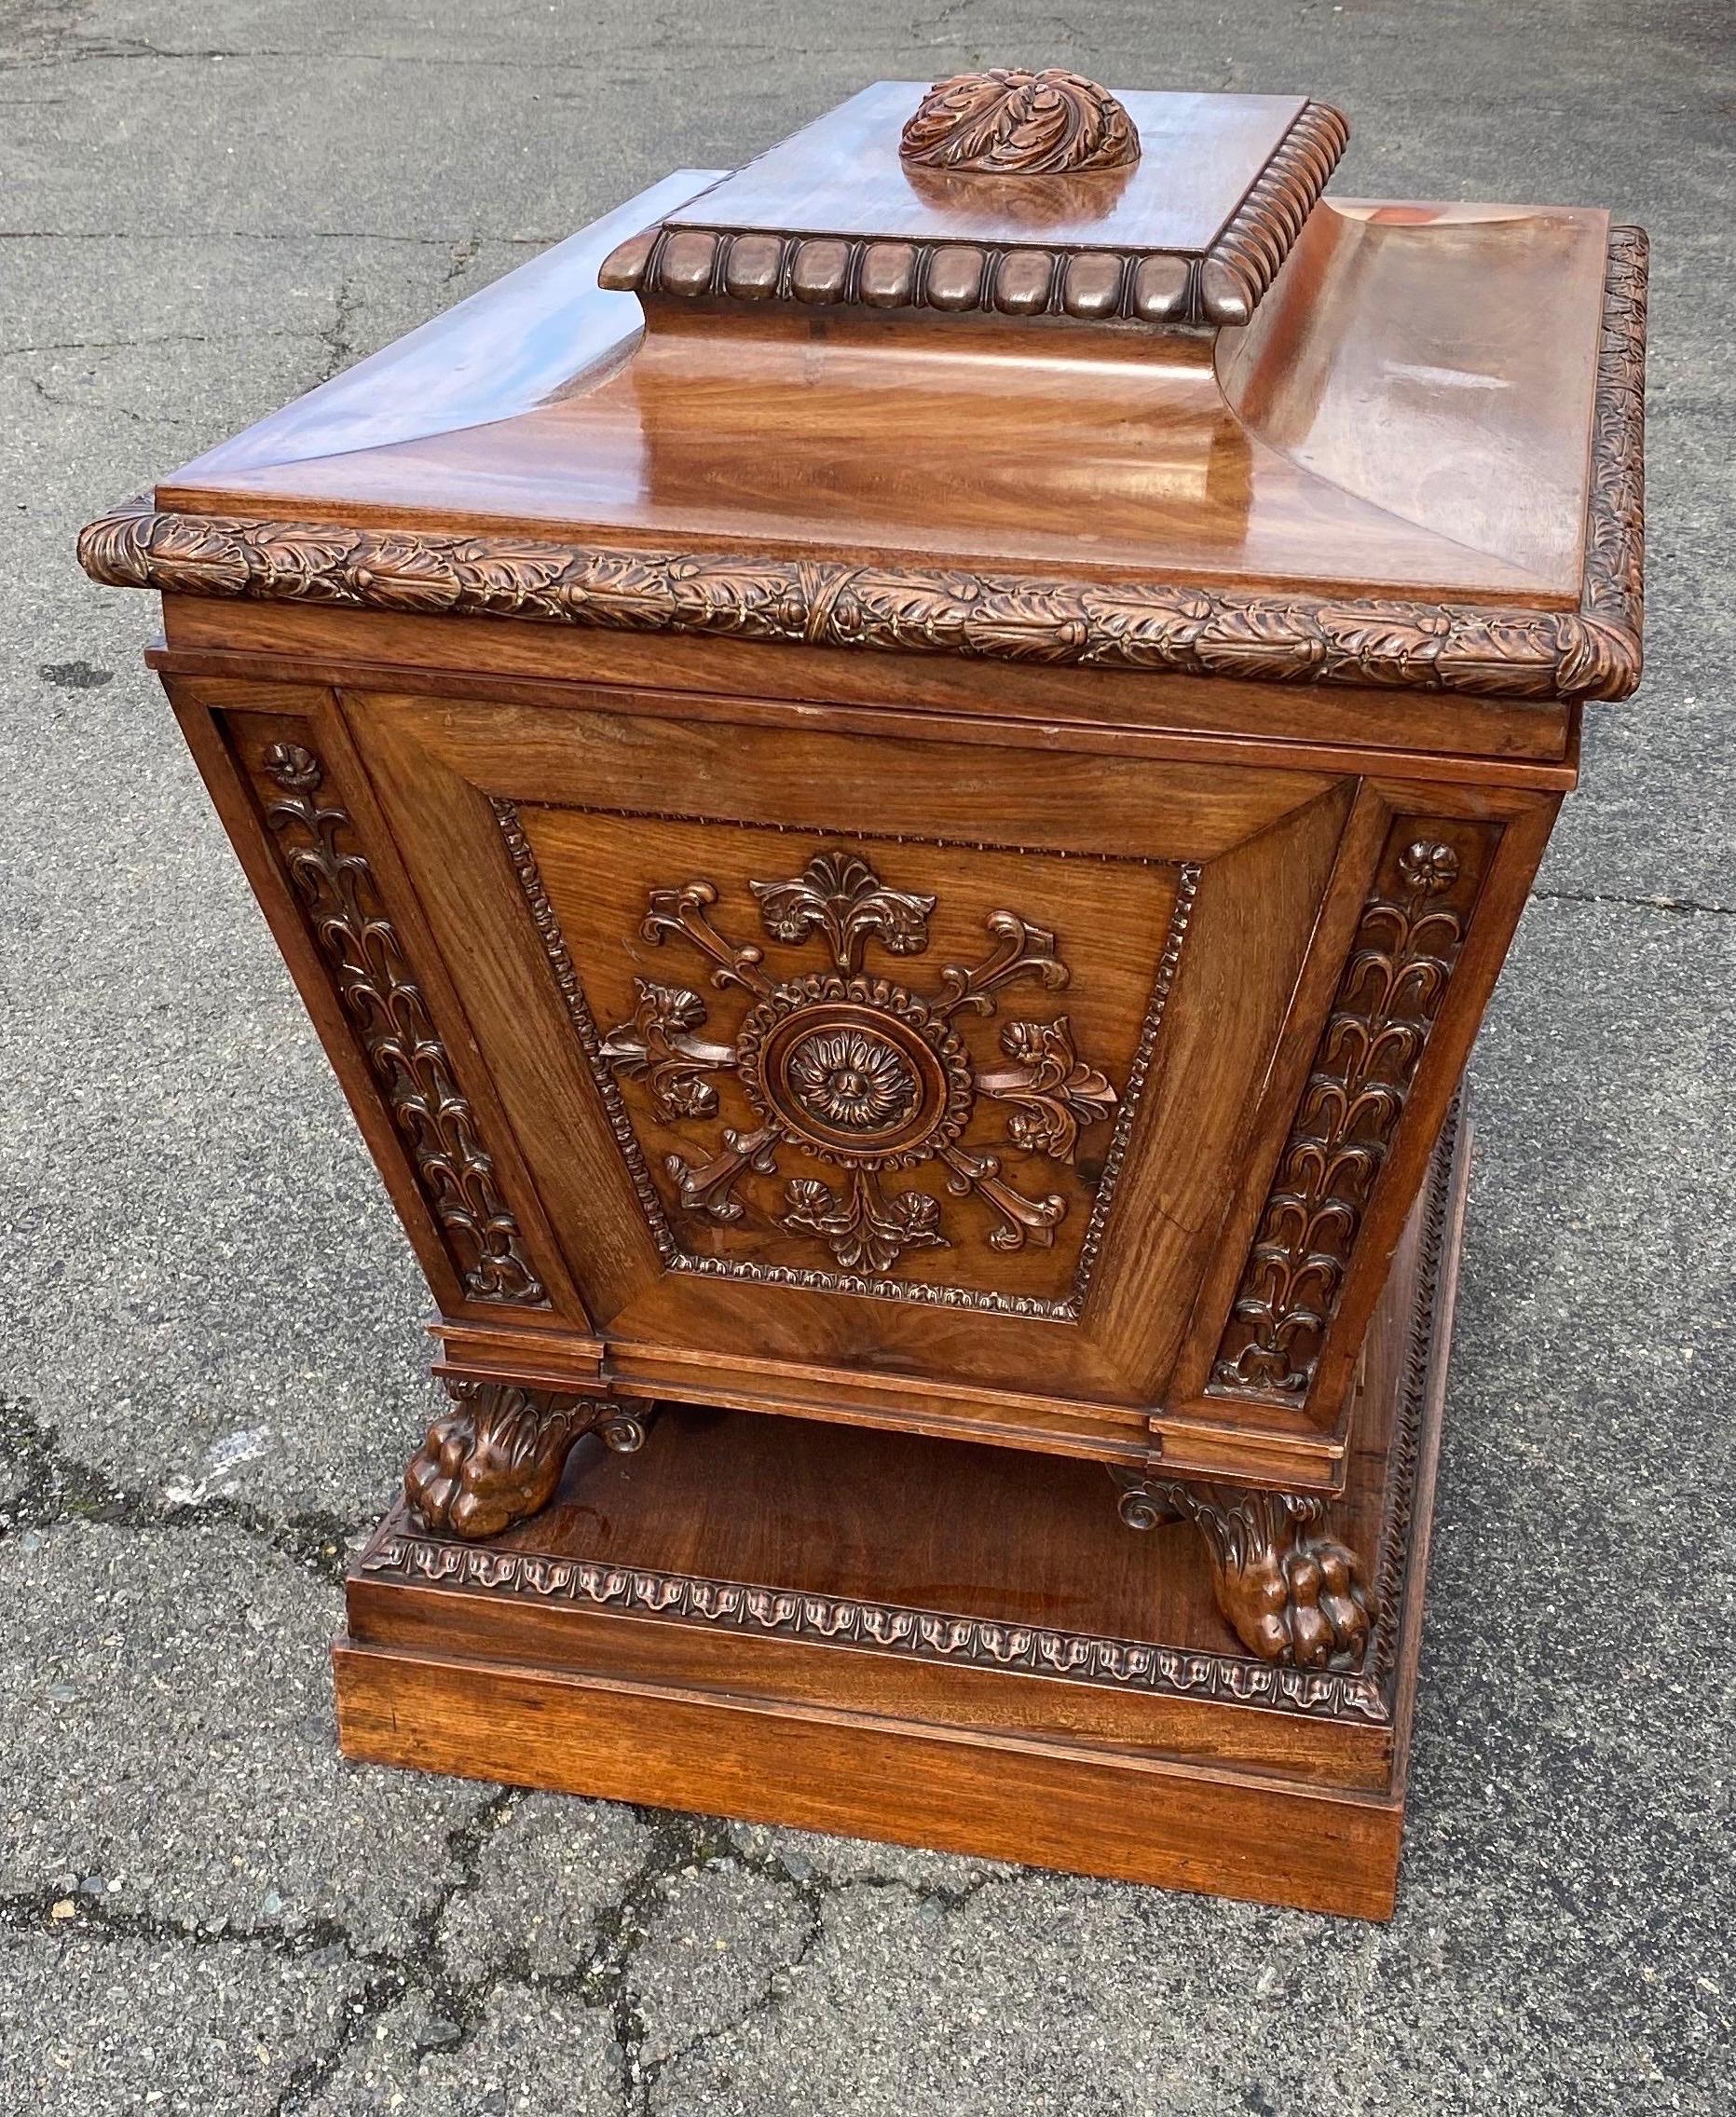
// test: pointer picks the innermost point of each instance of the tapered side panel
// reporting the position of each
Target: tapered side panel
(276, 762)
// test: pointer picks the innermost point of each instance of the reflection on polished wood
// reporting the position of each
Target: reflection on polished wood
(1005, 444)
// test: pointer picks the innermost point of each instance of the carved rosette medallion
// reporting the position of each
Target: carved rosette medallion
(854, 1071)
(858, 1071)
(1010, 122)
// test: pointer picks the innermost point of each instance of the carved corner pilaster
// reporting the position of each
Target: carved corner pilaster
(1293, 1593)
(497, 1456)
(320, 851)
(1407, 945)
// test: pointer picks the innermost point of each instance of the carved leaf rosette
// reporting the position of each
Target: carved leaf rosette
(848, 1069)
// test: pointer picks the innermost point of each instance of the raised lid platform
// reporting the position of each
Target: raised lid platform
(1181, 219)
(1199, 157)
(1419, 467)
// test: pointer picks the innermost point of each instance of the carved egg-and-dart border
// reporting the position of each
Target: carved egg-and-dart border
(855, 1073)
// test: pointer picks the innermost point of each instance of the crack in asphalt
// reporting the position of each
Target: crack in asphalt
(59, 1486)
(340, 350)
(169, 338)
(603, 1981)
(1684, 903)
(416, 1968)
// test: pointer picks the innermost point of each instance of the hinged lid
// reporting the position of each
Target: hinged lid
(1017, 369)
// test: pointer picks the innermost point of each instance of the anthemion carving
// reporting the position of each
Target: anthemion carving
(1405, 947)
(1007, 122)
(853, 1071)
(341, 903)
(929, 1635)
(497, 1456)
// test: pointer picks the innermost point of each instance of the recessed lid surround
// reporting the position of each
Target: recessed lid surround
(1027, 194)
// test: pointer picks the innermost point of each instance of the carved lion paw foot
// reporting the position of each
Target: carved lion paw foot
(495, 1459)
(1300, 1601)
(1292, 1596)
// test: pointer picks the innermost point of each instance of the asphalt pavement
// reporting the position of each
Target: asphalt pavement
(211, 1355)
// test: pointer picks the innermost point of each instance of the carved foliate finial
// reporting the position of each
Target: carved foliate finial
(1011, 123)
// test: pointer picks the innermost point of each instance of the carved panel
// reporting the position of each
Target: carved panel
(1406, 944)
(851, 1078)
(341, 904)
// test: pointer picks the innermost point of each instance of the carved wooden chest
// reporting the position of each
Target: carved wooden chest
(897, 781)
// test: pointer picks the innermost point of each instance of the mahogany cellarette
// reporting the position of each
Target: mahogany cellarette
(897, 781)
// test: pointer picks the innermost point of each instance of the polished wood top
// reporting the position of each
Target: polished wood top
(1396, 419)
(842, 175)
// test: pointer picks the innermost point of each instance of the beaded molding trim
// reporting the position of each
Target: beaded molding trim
(1243, 262)
(1091, 286)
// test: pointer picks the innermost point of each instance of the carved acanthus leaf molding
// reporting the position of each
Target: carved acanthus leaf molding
(341, 905)
(1008, 122)
(1592, 652)
(1142, 625)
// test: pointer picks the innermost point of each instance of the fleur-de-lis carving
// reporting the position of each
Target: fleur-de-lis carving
(708, 1187)
(1033, 1219)
(1053, 1091)
(683, 913)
